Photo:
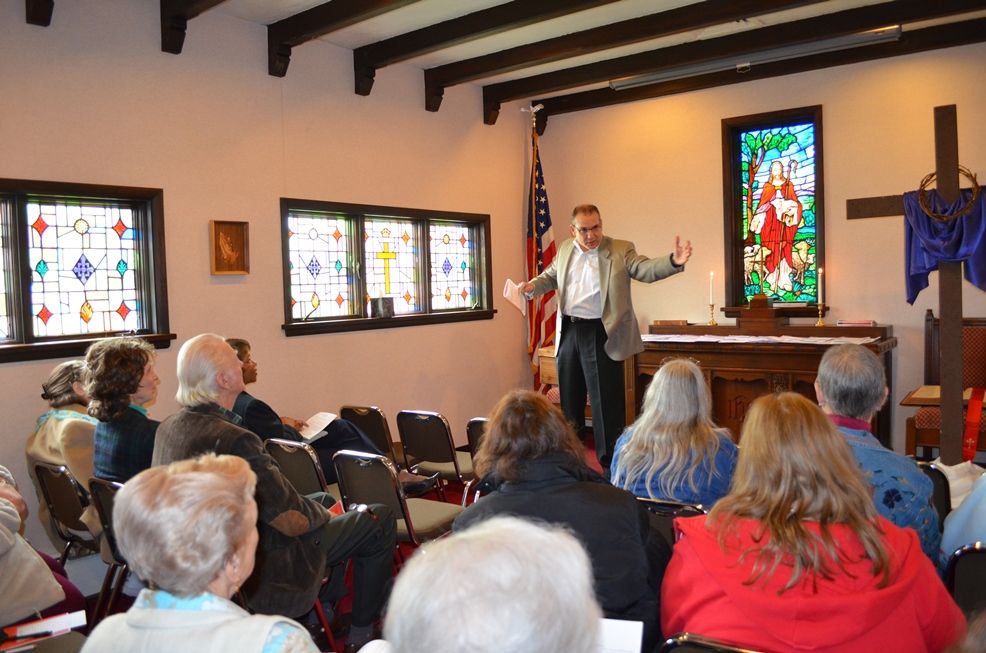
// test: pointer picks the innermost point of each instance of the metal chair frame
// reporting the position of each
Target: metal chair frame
(691, 643)
(373, 422)
(304, 479)
(66, 501)
(942, 496)
(103, 493)
(968, 590)
(436, 449)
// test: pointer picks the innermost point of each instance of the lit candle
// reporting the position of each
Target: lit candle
(711, 277)
(821, 296)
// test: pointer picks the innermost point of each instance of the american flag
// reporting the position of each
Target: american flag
(540, 252)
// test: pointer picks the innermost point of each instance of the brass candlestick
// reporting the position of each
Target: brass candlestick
(821, 311)
(712, 315)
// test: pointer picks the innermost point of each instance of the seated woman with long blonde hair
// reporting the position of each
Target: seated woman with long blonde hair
(796, 557)
(673, 450)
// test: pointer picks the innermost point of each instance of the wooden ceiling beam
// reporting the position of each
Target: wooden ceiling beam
(487, 22)
(929, 38)
(175, 15)
(38, 12)
(634, 30)
(318, 21)
(734, 45)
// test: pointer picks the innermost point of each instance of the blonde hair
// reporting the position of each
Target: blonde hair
(674, 434)
(177, 525)
(794, 467)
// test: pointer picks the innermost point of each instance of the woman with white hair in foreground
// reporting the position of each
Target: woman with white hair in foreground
(504, 584)
(189, 530)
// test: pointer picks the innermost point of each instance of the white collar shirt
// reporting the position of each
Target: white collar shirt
(582, 298)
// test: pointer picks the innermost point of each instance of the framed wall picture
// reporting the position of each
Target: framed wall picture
(772, 199)
(229, 247)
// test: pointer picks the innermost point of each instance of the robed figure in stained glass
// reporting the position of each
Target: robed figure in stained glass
(777, 219)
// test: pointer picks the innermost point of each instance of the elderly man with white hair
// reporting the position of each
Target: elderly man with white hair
(505, 584)
(851, 388)
(298, 540)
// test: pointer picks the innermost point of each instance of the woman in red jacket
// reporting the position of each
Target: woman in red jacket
(796, 558)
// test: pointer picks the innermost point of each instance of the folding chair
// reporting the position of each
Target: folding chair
(299, 464)
(373, 423)
(475, 429)
(690, 643)
(427, 441)
(103, 493)
(66, 501)
(942, 494)
(965, 577)
(369, 478)
(664, 511)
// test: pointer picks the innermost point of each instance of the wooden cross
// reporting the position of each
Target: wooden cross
(949, 281)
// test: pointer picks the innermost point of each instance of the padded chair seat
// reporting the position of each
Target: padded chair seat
(447, 470)
(930, 418)
(431, 519)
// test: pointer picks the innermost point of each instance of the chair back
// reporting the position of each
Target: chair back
(372, 421)
(368, 478)
(475, 429)
(663, 512)
(973, 350)
(65, 498)
(426, 436)
(965, 577)
(299, 464)
(690, 643)
(942, 495)
(103, 493)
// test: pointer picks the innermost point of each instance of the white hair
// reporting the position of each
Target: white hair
(505, 584)
(199, 361)
(852, 380)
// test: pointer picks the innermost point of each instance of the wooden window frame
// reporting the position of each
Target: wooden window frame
(421, 218)
(23, 346)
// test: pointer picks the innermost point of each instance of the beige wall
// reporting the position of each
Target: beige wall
(93, 99)
(654, 169)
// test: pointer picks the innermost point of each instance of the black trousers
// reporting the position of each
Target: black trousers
(584, 367)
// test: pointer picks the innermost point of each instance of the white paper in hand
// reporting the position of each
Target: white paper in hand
(513, 295)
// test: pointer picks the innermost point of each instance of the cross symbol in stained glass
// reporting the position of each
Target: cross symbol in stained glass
(314, 267)
(41, 268)
(83, 269)
(446, 267)
(386, 256)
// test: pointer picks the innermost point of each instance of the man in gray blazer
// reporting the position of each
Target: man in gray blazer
(598, 329)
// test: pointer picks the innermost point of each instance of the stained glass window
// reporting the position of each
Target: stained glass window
(453, 266)
(319, 270)
(392, 255)
(778, 178)
(80, 262)
(429, 266)
(84, 268)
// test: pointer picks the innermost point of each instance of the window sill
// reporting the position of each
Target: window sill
(76, 348)
(366, 323)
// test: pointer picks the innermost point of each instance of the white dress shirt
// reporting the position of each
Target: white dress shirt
(582, 298)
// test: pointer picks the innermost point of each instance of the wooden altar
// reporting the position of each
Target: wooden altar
(738, 372)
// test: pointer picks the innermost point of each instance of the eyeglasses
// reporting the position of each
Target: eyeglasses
(587, 230)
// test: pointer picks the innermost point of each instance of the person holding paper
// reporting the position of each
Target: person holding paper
(598, 329)
(260, 418)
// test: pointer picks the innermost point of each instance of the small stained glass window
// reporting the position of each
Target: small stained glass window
(319, 270)
(453, 266)
(351, 266)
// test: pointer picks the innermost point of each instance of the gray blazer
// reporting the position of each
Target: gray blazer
(619, 262)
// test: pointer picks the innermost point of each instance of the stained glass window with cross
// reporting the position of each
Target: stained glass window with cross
(80, 262)
(431, 266)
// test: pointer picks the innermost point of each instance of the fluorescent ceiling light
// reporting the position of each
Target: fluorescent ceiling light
(744, 62)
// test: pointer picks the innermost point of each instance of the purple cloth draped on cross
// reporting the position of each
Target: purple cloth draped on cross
(927, 241)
